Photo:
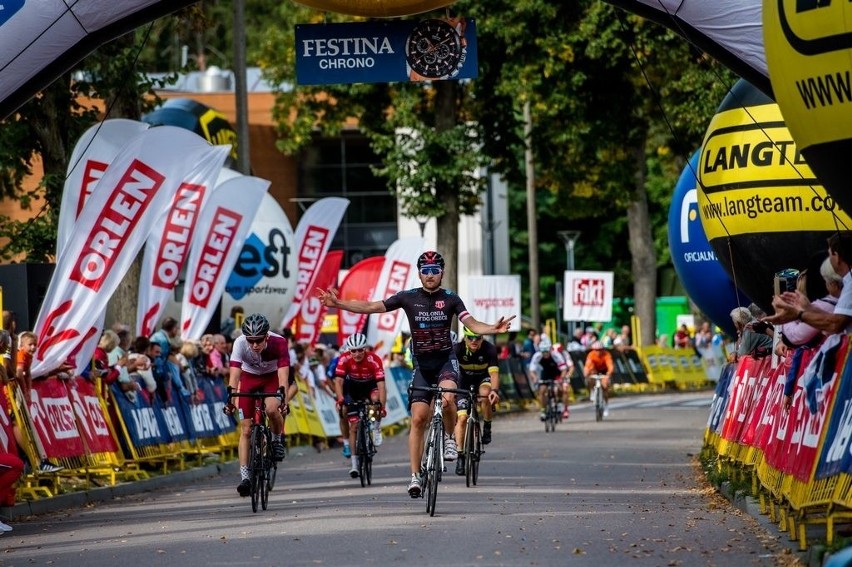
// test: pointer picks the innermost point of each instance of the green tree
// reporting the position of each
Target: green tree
(618, 105)
(424, 133)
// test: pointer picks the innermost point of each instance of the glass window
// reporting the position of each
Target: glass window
(340, 167)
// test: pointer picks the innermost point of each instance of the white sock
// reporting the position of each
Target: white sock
(244, 472)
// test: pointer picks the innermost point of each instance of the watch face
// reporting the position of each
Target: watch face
(434, 49)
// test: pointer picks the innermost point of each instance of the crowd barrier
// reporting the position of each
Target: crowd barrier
(796, 461)
(101, 435)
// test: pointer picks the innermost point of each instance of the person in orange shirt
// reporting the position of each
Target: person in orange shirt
(599, 361)
(23, 362)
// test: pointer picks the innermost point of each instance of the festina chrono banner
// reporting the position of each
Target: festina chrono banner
(386, 51)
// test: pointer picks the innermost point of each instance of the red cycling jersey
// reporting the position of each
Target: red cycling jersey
(370, 368)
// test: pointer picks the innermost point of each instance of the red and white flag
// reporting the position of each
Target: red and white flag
(398, 273)
(92, 154)
(358, 284)
(314, 234)
(309, 321)
(113, 225)
(94, 151)
(167, 247)
(223, 225)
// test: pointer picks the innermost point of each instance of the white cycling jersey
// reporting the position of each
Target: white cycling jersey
(276, 355)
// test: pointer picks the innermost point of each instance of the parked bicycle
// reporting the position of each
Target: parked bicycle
(364, 446)
(432, 461)
(472, 449)
(597, 396)
(552, 415)
(262, 465)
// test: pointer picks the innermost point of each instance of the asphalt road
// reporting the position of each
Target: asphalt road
(624, 490)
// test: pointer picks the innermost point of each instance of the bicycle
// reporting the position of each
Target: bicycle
(262, 467)
(432, 461)
(472, 450)
(364, 447)
(597, 396)
(552, 415)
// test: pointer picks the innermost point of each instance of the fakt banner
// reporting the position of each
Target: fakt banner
(387, 51)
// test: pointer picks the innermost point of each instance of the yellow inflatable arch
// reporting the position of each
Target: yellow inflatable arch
(376, 8)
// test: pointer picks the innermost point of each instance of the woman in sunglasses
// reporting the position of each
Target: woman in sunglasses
(260, 362)
(430, 310)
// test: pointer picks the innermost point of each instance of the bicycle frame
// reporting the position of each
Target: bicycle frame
(432, 461)
(263, 467)
(364, 448)
(597, 396)
(473, 438)
(551, 408)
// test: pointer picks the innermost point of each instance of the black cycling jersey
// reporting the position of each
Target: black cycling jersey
(549, 368)
(429, 316)
(474, 365)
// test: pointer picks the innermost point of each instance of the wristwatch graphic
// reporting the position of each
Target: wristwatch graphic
(434, 49)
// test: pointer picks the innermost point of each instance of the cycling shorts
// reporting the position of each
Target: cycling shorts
(430, 373)
(249, 383)
(358, 390)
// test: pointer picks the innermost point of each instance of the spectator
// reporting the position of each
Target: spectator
(143, 375)
(528, 349)
(753, 337)
(797, 337)
(623, 339)
(792, 306)
(576, 342)
(229, 325)
(189, 351)
(682, 339)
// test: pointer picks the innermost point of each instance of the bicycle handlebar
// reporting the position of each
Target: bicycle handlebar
(441, 389)
(278, 395)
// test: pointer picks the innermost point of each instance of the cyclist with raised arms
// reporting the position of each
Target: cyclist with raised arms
(359, 376)
(478, 363)
(430, 310)
(260, 362)
(599, 361)
(548, 364)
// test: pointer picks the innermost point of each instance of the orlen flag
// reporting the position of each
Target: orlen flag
(94, 151)
(358, 284)
(308, 323)
(223, 225)
(588, 296)
(167, 248)
(112, 227)
(399, 273)
(314, 233)
(492, 297)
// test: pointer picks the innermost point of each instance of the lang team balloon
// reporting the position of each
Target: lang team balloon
(808, 47)
(705, 280)
(760, 204)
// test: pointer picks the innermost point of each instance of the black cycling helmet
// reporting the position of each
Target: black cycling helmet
(430, 258)
(255, 325)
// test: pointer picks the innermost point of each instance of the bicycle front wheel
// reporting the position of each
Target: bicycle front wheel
(361, 450)
(599, 404)
(433, 471)
(266, 460)
(469, 450)
(256, 464)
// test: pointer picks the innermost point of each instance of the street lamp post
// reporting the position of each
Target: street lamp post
(569, 237)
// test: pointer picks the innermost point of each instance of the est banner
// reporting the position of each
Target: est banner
(386, 51)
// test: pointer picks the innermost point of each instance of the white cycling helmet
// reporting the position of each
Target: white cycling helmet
(356, 340)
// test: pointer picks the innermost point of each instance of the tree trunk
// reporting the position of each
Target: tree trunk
(644, 259)
(447, 225)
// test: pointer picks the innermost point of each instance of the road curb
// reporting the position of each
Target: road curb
(749, 505)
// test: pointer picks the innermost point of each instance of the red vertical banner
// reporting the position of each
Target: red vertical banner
(312, 311)
(359, 283)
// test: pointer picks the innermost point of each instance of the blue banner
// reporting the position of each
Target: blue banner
(386, 51)
(213, 393)
(835, 457)
(720, 398)
(402, 378)
(142, 417)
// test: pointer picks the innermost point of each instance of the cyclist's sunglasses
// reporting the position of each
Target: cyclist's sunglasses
(356, 350)
(255, 340)
(473, 337)
(430, 270)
